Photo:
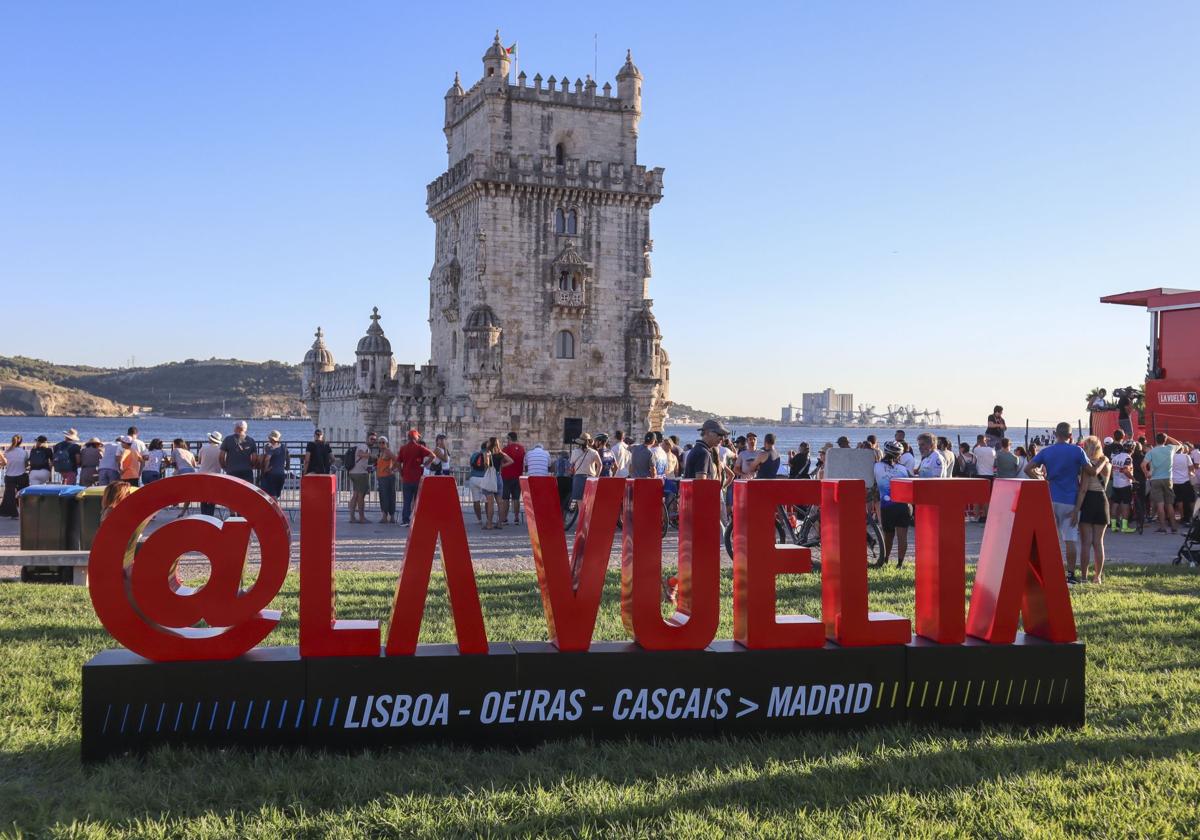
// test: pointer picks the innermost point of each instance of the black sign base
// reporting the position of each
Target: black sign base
(526, 693)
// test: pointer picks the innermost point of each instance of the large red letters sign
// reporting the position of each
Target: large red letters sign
(143, 603)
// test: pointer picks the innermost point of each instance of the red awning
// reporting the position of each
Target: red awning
(1155, 298)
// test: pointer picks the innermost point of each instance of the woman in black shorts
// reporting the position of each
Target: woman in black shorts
(1091, 509)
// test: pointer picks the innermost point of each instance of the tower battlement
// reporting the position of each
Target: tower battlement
(525, 169)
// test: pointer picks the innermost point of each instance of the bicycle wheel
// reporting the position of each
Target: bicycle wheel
(809, 534)
(875, 556)
(781, 536)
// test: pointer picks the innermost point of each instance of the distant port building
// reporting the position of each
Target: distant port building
(826, 406)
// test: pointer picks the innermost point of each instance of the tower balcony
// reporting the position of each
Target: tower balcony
(569, 298)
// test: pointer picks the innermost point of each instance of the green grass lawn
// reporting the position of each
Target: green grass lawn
(1134, 770)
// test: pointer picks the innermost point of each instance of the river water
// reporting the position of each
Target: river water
(192, 429)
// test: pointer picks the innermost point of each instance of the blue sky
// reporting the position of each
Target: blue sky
(915, 202)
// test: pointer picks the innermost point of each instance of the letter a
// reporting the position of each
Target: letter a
(438, 514)
(1020, 569)
(571, 590)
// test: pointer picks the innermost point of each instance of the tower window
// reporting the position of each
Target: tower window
(364, 365)
(560, 155)
(560, 221)
(572, 222)
(454, 345)
(491, 71)
(564, 345)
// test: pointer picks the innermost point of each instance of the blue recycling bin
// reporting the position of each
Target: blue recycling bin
(50, 517)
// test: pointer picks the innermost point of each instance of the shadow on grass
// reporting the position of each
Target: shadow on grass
(821, 772)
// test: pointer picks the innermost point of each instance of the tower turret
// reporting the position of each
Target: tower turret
(495, 63)
(452, 96)
(374, 357)
(629, 85)
(317, 360)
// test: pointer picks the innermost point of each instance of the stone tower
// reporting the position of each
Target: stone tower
(538, 294)
(539, 305)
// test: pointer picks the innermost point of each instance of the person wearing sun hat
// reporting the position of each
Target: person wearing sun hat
(209, 461)
(89, 462)
(66, 456)
(275, 457)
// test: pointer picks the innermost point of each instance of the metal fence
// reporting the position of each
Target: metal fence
(289, 498)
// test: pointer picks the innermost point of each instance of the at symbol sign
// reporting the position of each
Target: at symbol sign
(146, 607)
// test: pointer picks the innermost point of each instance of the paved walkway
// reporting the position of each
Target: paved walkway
(376, 547)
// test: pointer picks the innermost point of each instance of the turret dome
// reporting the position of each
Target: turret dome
(374, 342)
(629, 69)
(644, 324)
(482, 318)
(318, 355)
(456, 89)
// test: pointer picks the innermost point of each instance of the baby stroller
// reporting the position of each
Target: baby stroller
(1189, 552)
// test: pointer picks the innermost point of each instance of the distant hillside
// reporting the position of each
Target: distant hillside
(192, 388)
(683, 410)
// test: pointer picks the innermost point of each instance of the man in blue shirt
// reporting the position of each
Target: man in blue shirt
(1064, 461)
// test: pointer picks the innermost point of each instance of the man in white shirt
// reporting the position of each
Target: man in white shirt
(537, 461)
(110, 462)
(620, 453)
(985, 464)
(209, 461)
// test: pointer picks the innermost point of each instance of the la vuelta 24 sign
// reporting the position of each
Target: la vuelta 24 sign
(192, 670)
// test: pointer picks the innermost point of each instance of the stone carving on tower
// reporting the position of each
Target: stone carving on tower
(539, 303)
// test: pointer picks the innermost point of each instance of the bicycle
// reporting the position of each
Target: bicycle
(808, 534)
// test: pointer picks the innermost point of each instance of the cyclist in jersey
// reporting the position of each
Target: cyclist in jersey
(896, 517)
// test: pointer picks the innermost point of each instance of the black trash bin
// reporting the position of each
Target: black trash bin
(50, 517)
(49, 522)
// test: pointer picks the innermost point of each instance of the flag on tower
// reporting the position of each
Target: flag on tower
(512, 48)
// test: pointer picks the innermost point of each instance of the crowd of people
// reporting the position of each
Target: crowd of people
(1094, 484)
(131, 462)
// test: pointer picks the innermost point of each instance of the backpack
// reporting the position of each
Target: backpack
(478, 462)
(39, 458)
(351, 456)
(63, 462)
(969, 467)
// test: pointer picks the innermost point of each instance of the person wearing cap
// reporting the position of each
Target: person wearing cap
(895, 517)
(237, 453)
(585, 464)
(608, 463)
(209, 461)
(275, 465)
(412, 458)
(89, 462)
(131, 462)
(66, 456)
(318, 455)
(40, 461)
(704, 461)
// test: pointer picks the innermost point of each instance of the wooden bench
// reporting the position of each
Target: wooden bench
(75, 561)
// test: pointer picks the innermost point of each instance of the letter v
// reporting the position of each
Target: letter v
(571, 590)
